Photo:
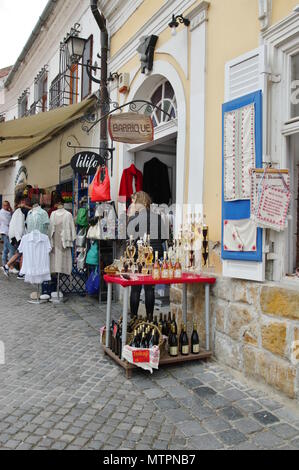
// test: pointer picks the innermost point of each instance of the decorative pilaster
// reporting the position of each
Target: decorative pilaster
(198, 15)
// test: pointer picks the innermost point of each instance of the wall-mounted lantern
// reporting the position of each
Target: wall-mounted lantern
(175, 22)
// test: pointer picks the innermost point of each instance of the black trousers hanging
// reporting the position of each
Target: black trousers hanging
(149, 300)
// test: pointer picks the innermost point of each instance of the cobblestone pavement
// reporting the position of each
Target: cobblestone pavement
(58, 391)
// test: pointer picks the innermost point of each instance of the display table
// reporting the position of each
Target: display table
(186, 279)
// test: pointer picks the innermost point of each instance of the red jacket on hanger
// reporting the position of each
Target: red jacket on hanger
(126, 185)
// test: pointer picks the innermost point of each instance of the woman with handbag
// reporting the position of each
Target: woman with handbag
(141, 220)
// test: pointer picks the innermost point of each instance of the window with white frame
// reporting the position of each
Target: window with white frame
(282, 40)
(41, 90)
(23, 104)
(295, 85)
(164, 98)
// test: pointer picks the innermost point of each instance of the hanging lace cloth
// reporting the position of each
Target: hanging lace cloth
(239, 152)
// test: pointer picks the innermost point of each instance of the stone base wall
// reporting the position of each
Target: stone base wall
(254, 329)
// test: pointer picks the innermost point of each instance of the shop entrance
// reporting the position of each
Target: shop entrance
(165, 153)
(162, 153)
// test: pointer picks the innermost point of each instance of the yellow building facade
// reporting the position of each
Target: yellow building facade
(230, 49)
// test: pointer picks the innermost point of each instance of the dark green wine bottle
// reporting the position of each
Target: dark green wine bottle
(181, 335)
(173, 343)
(195, 348)
(136, 340)
(144, 342)
(175, 324)
(185, 343)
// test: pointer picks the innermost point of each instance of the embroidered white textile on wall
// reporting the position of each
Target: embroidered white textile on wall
(239, 235)
(239, 152)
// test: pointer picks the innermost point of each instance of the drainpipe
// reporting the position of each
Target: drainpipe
(104, 95)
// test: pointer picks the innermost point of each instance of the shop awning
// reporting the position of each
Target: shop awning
(21, 135)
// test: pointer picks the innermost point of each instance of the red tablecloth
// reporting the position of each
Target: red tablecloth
(187, 278)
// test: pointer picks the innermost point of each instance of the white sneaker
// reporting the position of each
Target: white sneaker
(14, 271)
(5, 271)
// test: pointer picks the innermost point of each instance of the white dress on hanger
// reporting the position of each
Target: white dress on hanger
(62, 237)
(35, 248)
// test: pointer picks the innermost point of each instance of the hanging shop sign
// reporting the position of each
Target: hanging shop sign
(86, 163)
(131, 128)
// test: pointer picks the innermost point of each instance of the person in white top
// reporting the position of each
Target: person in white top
(15, 232)
(5, 218)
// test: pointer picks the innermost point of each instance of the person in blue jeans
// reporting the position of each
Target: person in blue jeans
(5, 218)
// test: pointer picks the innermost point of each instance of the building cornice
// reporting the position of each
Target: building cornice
(198, 15)
(281, 31)
(117, 12)
(157, 25)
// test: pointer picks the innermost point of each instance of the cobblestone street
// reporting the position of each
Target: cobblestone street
(58, 391)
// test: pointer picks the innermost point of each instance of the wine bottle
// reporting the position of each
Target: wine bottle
(169, 323)
(164, 270)
(178, 269)
(117, 336)
(170, 269)
(156, 268)
(195, 341)
(136, 341)
(181, 336)
(119, 347)
(156, 337)
(151, 342)
(144, 342)
(165, 331)
(155, 320)
(175, 324)
(173, 343)
(185, 343)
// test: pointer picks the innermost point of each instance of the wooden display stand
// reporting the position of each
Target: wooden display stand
(148, 280)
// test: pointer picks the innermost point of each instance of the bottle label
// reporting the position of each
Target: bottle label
(156, 274)
(165, 274)
(185, 349)
(195, 348)
(177, 273)
(173, 351)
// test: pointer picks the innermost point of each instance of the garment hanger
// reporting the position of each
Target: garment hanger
(133, 167)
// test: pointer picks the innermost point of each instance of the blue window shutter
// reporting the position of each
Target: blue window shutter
(245, 84)
(241, 209)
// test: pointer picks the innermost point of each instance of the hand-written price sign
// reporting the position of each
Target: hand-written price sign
(141, 356)
(86, 163)
(131, 128)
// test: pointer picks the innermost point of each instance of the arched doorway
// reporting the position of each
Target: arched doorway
(164, 88)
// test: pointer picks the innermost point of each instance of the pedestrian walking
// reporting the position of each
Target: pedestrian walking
(5, 218)
(15, 233)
